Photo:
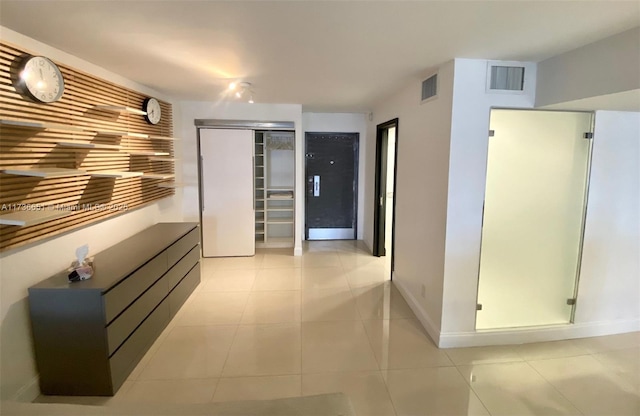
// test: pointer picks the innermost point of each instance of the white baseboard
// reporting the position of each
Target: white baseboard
(432, 329)
(512, 336)
(515, 336)
(29, 392)
(297, 251)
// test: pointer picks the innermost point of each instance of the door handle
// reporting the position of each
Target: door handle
(316, 185)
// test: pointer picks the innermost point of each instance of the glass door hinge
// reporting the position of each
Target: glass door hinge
(492, 133)
(588, 135)
(479, 307)
(571, 301)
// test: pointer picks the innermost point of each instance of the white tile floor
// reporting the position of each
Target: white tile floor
(274, 326)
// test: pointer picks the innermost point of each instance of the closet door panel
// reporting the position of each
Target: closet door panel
(228, 216)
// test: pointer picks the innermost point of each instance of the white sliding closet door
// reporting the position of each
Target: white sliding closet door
(228, 216)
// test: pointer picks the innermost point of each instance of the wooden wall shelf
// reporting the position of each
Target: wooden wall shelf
(45, 172)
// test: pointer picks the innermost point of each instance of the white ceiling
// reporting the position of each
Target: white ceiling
(328, 56)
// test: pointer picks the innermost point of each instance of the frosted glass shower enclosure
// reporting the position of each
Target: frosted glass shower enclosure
(535, 199)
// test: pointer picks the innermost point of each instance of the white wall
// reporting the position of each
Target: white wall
(344, 123)
(605, 67)
(467, 176)
(609, 290)
(192, 110)
(23, 267)
(421, 192)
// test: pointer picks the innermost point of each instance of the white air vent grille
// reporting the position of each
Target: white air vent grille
(507, 78)
(430, 87)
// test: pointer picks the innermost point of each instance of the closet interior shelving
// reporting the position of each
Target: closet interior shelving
(274, 193)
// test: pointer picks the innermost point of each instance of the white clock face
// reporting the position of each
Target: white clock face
(152, 107)
(42, 79)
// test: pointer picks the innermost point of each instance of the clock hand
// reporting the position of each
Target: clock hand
(41, 76)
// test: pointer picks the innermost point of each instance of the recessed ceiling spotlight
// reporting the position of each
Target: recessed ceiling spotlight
(232, 86)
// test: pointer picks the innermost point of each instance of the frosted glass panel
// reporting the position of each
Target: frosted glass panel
(533, 217)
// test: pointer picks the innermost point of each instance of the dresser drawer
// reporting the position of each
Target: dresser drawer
(181, 292)
(126, 323)
(181, 247)
(126, 358)
(122, 295)
(185, 264)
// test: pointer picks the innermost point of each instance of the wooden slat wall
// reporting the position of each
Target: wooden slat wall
(31, 148)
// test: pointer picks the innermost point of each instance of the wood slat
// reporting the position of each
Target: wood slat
(37, 148)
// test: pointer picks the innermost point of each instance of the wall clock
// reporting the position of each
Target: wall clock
(152, 107)
(39, 79)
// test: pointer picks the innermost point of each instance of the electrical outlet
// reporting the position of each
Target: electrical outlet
(423, 292)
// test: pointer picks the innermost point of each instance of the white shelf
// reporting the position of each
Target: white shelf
(274, 197)
(162, 159)
(28, 218)
(45, 172)
(280, 221)
(39, 125)
(163, 138)
(121, 109)
(117, 133)
(284, 189)
(87, 145)
(114, 174)
(174, 185)
(147, 153)
(111, 133)
(280, 209)
(138, 135)
(158, 175)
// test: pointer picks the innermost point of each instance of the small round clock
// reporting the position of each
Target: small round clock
(152, 107)
(40, 80)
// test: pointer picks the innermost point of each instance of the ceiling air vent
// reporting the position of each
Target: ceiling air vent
(507, 78)
(429, 87)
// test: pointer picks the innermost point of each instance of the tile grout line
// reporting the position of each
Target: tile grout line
(554, 386)
(475, 393)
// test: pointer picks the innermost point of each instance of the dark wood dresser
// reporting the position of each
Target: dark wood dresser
(90, 335)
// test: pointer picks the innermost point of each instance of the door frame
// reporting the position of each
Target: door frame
(378, 225)
(356, 166)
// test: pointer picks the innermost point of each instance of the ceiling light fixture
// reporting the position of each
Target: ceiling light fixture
(243, 90)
